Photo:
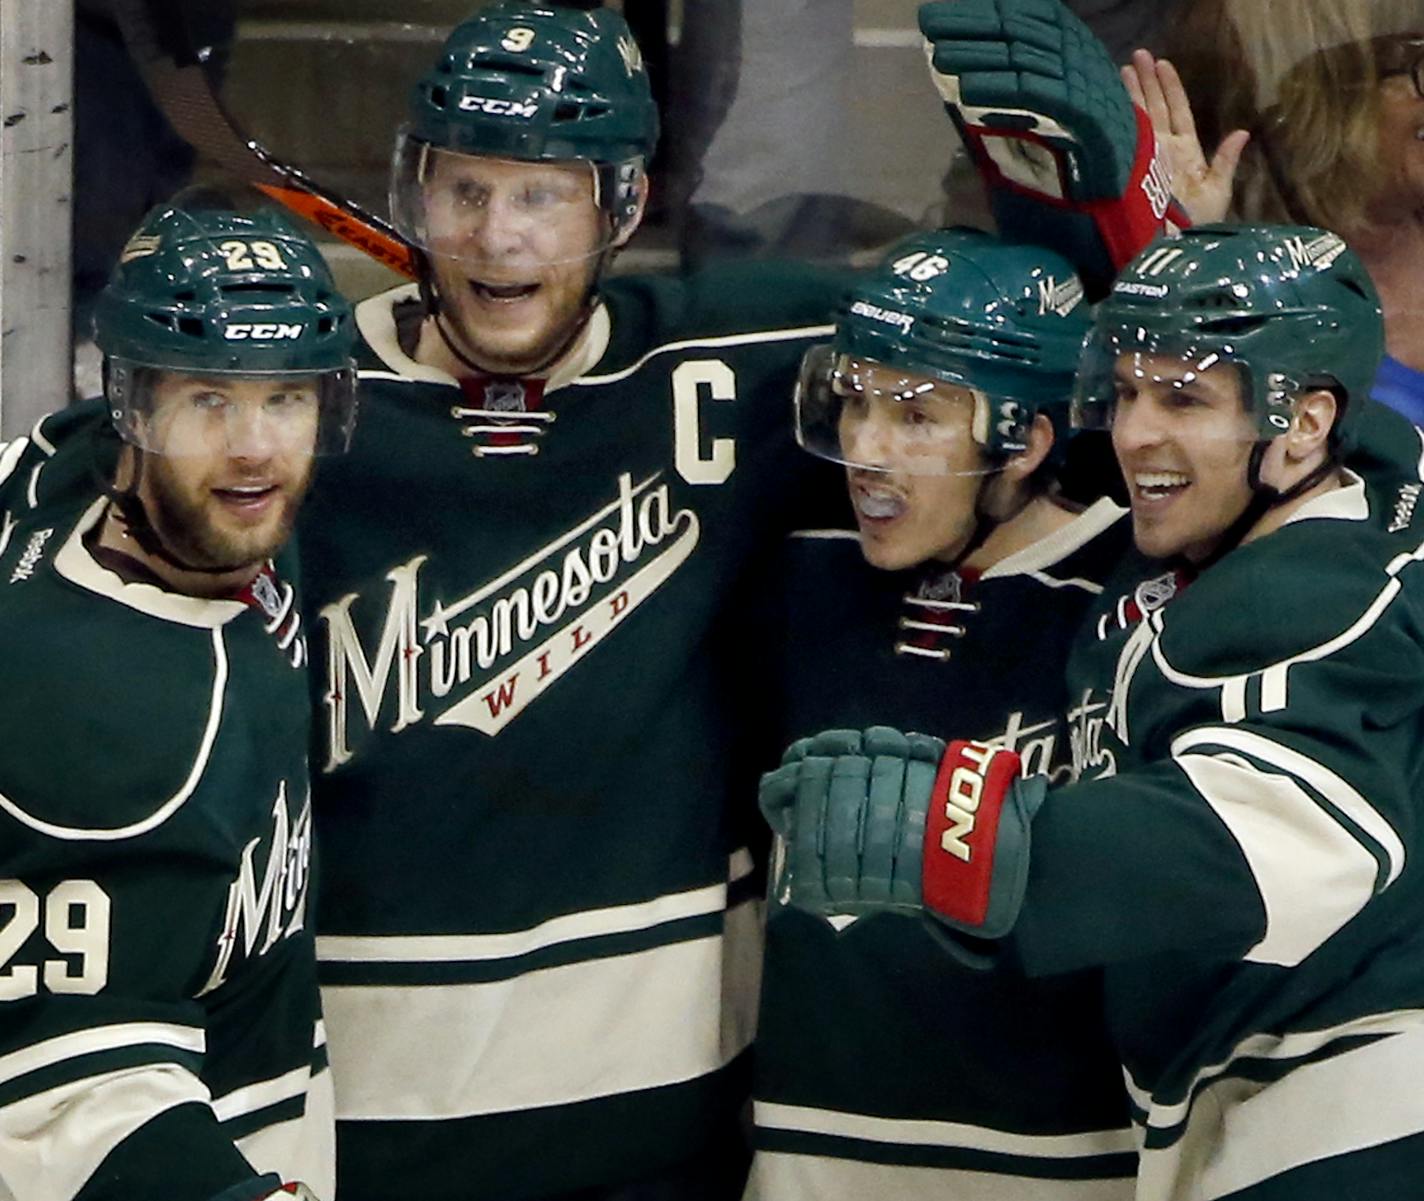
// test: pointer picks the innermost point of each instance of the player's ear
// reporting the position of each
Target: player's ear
(630, 227)
(1313, 416)
(1029, 460)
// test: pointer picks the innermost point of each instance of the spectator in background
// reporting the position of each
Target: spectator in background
(1323, 103)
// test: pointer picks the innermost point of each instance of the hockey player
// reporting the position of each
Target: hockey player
(526, 585)
(953, 606)
(160, 1030)
(1241, 852)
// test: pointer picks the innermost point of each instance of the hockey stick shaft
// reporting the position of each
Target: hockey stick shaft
(184, 93)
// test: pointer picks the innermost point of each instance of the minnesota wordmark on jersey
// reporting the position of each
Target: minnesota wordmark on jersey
(451, 662)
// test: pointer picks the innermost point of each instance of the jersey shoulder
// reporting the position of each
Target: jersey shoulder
(1338, 569)
(108, 712)
(720, 302)
(60, 459)
(1081, 555)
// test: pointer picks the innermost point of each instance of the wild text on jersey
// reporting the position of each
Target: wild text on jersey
(549, 610)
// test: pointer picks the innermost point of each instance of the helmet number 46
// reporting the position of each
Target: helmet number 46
(921, 266)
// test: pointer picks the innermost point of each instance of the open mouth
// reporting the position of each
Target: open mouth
(1160, 485)
(502, 293)
(247, 498)
(878, 504)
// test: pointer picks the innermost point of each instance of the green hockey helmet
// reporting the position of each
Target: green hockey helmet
(1290, 308)
(946, 313)
(529, 82)
(205, 291)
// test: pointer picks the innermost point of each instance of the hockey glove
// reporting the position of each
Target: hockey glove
(882, 821)
(1068, 160)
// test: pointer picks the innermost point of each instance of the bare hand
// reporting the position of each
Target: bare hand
(1203, 188)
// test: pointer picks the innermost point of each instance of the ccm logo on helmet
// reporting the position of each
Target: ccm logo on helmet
(497, 108)
(966, 790)
(262, 333)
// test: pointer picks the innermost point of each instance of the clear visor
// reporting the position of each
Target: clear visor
(239, 415)
(507, 212)
(864, 414)
(1175, 386)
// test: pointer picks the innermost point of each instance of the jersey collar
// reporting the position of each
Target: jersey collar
(375, 318)
(75, 564)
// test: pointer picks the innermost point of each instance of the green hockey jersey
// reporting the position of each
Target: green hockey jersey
(1241, 852)
(537, 929)
(883, 1068)
(160, 1030)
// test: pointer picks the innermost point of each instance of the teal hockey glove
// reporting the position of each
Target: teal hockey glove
(882, 821)
(1068, 160)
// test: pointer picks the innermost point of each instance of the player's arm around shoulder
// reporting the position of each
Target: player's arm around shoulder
(1267, 726)
(113, 891)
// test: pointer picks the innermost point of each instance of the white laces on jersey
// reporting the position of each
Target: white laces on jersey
(503, 432)
(932, 625)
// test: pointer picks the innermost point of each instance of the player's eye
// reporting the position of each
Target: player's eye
(469, 193)
(208, 402)
(286, 402)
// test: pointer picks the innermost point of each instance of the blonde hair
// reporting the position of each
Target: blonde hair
(1303, 76)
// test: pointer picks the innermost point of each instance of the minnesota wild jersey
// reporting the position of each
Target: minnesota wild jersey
(1242, 855)
(537, 928)
(160, 1031)
(884, 1068)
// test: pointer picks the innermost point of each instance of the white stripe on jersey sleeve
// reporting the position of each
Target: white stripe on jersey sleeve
(1313, 872)
(52, 1142)
(1324, 1107)
(10, 455)
(53, 1051)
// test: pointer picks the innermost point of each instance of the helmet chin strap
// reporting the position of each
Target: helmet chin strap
(1264, 498)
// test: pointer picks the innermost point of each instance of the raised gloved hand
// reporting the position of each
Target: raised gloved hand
(882, 821)
(1068, 159)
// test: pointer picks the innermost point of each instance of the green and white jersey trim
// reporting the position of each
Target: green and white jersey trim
(1291, 1099)
(301, 1147)
(777, 1176)
(1053, 548)
(78, 566)
(375, 318)
(1042, 1160)
(493, 1046)
(1285, 811)
(56, 1138)
(1272, 679)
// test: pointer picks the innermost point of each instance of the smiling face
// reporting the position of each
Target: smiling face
(515, 250)
(230, 458)
(1401, 134)
(912, 466)
(1183, 439)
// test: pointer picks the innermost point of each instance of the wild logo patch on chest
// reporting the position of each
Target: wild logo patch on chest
(498, 648)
